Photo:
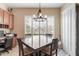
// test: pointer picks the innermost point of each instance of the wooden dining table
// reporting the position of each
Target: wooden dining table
(36, 44)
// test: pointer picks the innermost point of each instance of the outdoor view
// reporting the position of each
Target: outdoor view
(39, 31)
(32, 26)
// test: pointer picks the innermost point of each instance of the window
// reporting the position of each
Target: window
(45, 28)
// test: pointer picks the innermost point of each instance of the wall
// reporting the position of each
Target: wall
(19, 14)
(4, 7)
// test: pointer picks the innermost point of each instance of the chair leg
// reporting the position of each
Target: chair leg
(39, 53)
(31, 54)
(56, 52)
(0, 53)
(46, 55)
(19, 53)
(7, 51)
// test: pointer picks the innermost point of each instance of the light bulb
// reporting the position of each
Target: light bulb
(45, 16)
(34, 16)
(40, 14)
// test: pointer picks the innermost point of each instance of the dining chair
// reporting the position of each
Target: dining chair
(52, 49)
(23, 50)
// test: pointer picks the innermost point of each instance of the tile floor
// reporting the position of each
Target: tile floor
(15, 52)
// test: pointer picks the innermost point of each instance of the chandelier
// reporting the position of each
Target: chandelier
(39, 17)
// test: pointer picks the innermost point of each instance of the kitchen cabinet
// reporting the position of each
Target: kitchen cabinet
(6, 18)
(11, 21)
(1, 16)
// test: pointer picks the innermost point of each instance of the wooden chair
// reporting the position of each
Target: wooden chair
(52, 49)
(24, 51)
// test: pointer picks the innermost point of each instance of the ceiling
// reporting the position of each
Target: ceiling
(34, 5)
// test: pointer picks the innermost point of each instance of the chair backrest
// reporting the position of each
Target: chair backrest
(54, 45)
(20, 44)
(15, 35)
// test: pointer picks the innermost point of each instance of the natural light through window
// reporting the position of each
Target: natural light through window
(29, 28)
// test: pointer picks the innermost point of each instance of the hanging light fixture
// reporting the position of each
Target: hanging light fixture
(39, 17)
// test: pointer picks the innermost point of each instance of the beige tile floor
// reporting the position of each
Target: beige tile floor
(15, 52)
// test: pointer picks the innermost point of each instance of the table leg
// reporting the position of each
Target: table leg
(37, 53)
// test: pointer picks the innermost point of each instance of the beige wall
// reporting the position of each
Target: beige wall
(19, 19)
(4, 7)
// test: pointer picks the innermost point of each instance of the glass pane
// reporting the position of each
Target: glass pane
(35, 33)
(28, 29)
(50, 24)
(43, 31)
(43, 27)
(35, 27)
(28, 23)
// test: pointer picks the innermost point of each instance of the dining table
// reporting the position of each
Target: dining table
(36, 43)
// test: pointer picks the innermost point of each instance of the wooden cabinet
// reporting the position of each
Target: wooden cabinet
(6, 18)
(1, 16)
(11, 23)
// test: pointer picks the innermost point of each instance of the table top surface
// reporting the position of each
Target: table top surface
(35, 42)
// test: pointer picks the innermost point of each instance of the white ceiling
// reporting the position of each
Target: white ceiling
(34, 5)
